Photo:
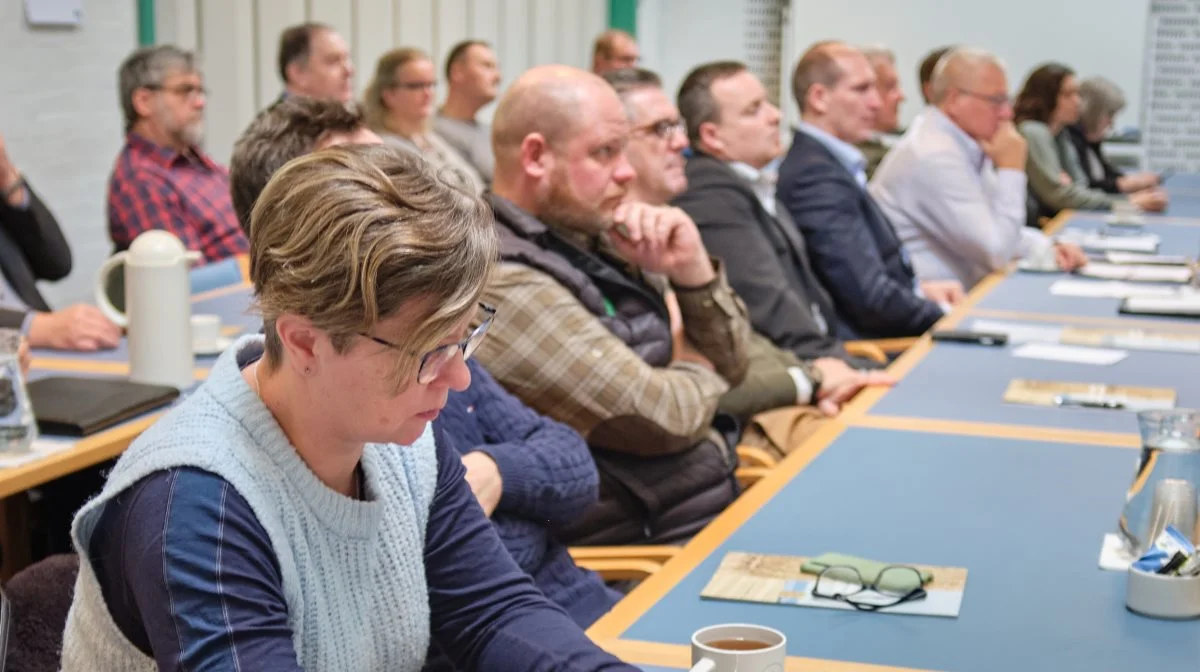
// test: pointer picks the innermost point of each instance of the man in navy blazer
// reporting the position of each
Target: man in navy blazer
(852, 246)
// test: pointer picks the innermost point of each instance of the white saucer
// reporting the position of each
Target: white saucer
(220, 346)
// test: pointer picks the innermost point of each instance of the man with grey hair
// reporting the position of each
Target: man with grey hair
(162, 179)
(887, 118)
(955, 187)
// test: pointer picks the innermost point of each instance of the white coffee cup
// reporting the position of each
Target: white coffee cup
(738, 647)
(206, 333)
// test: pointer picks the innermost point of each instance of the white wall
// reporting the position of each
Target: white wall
(677, 35)
(237, 41)
(62, 123)
(1094, 37)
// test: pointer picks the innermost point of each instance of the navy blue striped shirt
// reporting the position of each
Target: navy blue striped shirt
(190, 578)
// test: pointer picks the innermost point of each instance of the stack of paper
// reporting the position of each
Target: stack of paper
(1090, 240)
(1070, 353)
(1109, 290)
(1185, 304)
(1137, 272)
(1157, 259)
(1019, 333)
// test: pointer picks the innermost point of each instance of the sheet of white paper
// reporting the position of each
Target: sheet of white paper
(1070, 353)
(1090, 240)
(1020, 333)
(1113, 556)
(41, 448)
(1183, 304)
(54, 12)
(1109, 289)
(1143, 341)
(1136, 272)
(1135, 258)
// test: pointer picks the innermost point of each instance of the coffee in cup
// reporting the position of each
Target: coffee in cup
(738, 647)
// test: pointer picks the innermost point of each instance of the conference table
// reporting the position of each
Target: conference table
(939, 470)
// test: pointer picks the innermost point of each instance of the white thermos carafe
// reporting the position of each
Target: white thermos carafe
(158, 307)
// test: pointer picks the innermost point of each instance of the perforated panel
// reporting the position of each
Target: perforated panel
(764, 42)
(1171, 98)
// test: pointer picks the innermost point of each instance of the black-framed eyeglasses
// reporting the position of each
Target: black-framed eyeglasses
(184, 91)
(663, 128)
(895, 584)
(433, 361)
(998, 100)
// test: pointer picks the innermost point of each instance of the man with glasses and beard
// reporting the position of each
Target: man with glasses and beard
(162, 179)
(586, 334)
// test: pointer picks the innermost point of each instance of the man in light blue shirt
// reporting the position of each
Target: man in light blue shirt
(954, 186)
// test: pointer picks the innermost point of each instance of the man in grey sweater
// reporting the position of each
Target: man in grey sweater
(473, 78)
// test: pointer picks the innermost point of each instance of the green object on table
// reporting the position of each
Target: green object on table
(868, 569)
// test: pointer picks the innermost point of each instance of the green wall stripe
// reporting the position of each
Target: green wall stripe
(145, 19)
(623, 14)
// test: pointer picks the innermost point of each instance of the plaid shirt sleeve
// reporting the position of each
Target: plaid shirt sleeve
(142, 200)
(715, 322)
(550, 351)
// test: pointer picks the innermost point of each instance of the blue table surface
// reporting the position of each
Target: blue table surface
(233, 308)
(1025, 518)
(966, 382)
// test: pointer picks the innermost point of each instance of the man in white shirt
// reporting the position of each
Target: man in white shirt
(954, 186)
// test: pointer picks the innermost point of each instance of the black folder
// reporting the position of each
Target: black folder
(70, 406)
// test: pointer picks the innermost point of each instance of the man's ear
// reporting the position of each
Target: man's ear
(710, 138)
(142, 102)
(536, 158)
(817, 99)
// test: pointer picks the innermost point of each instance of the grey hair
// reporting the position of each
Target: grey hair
(147, 68)
(959, 64)
(1100, 98)
(878, 52)
(627, 80)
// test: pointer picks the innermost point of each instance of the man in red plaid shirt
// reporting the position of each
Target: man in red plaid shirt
(162, 180)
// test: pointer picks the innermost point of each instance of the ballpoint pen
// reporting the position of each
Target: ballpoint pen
(1088, 402)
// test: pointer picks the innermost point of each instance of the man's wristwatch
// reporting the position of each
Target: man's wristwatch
(816, 378)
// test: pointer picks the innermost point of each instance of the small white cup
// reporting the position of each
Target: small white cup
(713, 649)
(206, 332)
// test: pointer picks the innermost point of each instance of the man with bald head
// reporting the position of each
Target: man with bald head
(955, 186)
(614, 50)
(823, 184)
(584, 333)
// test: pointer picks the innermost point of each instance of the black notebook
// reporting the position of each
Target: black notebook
(70, 406)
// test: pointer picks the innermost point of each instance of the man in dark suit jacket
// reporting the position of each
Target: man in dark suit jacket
(852, 246)
(32, 248)
(734, 133)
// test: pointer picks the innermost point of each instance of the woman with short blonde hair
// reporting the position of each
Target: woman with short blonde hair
(296, 511)
(399, 105)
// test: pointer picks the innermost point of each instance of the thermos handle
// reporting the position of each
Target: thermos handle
(110, 311)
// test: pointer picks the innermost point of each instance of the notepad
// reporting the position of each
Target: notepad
(779, 579)
(1090, 240)
(1156, 259)
(1052, 393)
(1070, 353)
(1176, 305)
(1111, 289)
(1137, 272)
(1133, 339)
